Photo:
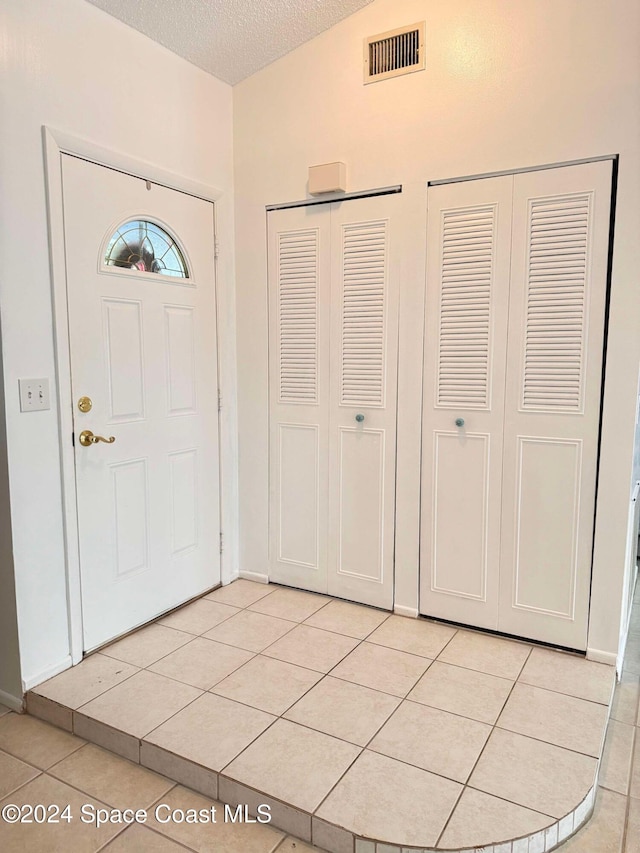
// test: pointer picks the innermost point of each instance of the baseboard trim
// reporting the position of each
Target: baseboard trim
(401, 610)
(254, 576)
(602, 657)
(14, 702)
(47, 673)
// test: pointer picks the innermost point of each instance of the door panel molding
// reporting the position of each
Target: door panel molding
(472, 511)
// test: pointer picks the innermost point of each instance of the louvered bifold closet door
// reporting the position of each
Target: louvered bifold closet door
(364, 357)
(298, 395)
(552, 407)
(468, 248)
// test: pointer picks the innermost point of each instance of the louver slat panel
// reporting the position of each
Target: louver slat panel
(464, 345)
(298, 316)
(558, 254)
(364, 276)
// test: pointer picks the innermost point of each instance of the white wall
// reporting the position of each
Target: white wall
(10, 682)
(68, 65)
(507, 85)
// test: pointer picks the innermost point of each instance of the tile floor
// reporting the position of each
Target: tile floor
(320, 708)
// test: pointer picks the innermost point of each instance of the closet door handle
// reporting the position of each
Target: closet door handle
(359, 418)
(459, 422)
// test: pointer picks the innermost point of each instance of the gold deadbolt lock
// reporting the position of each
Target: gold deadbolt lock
(85, 404)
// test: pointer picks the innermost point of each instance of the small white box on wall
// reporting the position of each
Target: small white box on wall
(327, 178)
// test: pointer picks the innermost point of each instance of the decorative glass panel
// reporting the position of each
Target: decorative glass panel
(146, 247)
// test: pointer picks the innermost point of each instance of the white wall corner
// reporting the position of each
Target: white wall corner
(601, 657)
(16, 703)
(45, 674)
(401, 610)
(255, 576)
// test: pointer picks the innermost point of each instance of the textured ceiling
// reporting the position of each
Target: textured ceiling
(230, 39)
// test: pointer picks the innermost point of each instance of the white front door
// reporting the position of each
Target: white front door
(333, 296)
(142, 328)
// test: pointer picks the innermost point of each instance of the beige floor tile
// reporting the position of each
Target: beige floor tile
(182, 770)
(13, 773)
(632, 844)
(533, 774)
(493, 655)
(268, 684)
(343, 617)
(615, 768)
(211, 731)
(344, 710)
(293, 845)
(139, 839)
(198, 617)
(250, 631)
(555, 718)
(312, 647)
(113, 740)
(416, 636)
(462, 691)
(604, 832)
(147, 645)
(49, 711)
(480, 819)
(111, 779)
(382, 669)
(202, 663)
(287, 818)
(634, 786)
(141, 703)
(82, 683)
(434, 740)
(293, 604)
(388, 800)
(35, 742)
(240, 593)
(221, 837)
(624, 707)
(60, 837)
(567, 673)
(294, 764)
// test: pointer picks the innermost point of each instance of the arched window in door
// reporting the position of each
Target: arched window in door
(141, 245)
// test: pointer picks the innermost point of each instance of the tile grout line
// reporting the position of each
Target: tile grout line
(329, 673)
(481, 753)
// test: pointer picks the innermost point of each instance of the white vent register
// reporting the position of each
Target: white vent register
(394, 53)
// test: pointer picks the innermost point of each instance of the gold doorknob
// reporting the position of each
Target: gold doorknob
(87, 438)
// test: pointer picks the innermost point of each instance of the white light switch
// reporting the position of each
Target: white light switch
(34, 394)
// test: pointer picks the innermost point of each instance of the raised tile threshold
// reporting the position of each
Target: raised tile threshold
(427, 811)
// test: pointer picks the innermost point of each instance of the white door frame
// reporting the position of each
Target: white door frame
(57, 143)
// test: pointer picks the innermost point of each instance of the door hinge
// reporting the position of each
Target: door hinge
(73, 439)
(219, 400)
(221, 543)
(216, 247)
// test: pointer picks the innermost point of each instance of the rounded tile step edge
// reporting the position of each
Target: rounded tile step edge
(337, 839)
(542, 841)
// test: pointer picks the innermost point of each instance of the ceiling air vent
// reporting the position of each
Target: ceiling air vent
(396, 52)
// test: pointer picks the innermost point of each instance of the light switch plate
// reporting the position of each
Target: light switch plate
(34, 395)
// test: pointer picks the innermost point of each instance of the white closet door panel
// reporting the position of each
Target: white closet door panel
(361, 504)
(556, 327)
(297, 483)
(362, 443)
(468, 250)
(460, 561)
(299, 395)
